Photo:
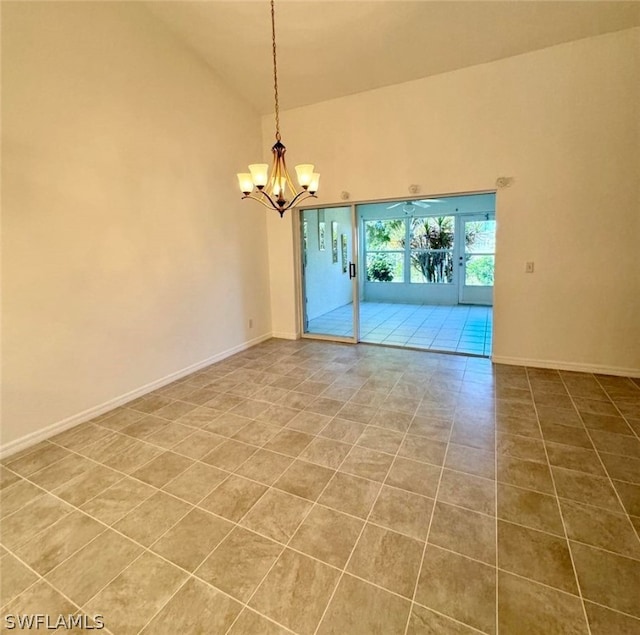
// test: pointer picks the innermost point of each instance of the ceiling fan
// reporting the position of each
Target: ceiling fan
(408, 207)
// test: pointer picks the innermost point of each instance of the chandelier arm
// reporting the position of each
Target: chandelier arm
(300, 197)
(261, 199)
(288, 178)
(275, 67)
(270, 203)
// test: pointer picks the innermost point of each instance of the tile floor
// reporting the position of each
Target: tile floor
(457, 329)
(312, 487)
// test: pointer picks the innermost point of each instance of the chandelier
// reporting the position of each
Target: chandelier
(276, 190)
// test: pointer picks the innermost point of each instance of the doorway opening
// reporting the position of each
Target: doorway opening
(328, 239)
(426, 273)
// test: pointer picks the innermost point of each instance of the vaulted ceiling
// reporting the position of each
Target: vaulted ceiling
(331, 49)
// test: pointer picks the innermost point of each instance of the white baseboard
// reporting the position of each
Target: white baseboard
(285, 336)
(574, 366)
(86, 415)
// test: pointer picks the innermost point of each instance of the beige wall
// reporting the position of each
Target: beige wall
(564, 123)
(128, 255)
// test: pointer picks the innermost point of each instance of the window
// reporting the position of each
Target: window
(416, 250)
(384, 247)
(480, 247)
(432, 241)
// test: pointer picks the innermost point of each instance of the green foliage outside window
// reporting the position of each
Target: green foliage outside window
(379, 269)
(479, 271)
(431, 243)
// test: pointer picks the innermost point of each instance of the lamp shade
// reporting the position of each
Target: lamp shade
(313, 185)
(245, 182)
(259, 174)
(304, 172)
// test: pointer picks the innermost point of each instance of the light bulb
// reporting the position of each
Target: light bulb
(279, 187)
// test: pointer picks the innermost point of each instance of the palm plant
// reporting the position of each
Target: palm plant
(431, 244)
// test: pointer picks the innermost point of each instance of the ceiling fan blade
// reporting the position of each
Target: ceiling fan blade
(394, 205)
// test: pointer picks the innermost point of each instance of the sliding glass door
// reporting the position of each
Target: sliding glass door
(329, 273)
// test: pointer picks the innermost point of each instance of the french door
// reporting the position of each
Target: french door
(329, 270)
(476, 259)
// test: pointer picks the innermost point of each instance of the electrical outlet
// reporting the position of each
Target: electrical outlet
(528, 267)
(250, 323)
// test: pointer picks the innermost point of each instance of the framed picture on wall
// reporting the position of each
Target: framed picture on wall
(344, 253)
(334, 241)
(321, 235)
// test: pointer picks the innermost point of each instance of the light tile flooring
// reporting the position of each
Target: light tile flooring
(312, 487)
(457, 329)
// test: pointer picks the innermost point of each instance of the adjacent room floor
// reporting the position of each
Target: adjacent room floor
(312, 487)
(456, 329)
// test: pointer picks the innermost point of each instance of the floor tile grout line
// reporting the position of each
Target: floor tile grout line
(448, 617)
(195, 461)
(129, 475)
(145, 549)
(106, 528)
(39, 578)
(606, 471)
(190, 574)
(433, 511)
(80, 606)
(193, 574)
(166, 603)
(613, 401)
(357, 541)
(564, 526)
(192, 505)
(286, 546)
(522, 577)
(441, 325)
(162, 490)
(52, 464)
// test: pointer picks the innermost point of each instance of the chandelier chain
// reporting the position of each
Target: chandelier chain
(275, 189)
(275, 68)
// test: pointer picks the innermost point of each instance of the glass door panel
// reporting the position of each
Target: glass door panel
(477, 263)
(329, 286)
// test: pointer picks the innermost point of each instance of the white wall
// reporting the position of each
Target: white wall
(128, 254)
(564, 123)
(327, 287)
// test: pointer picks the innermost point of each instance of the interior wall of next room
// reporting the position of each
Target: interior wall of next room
(327, 286)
